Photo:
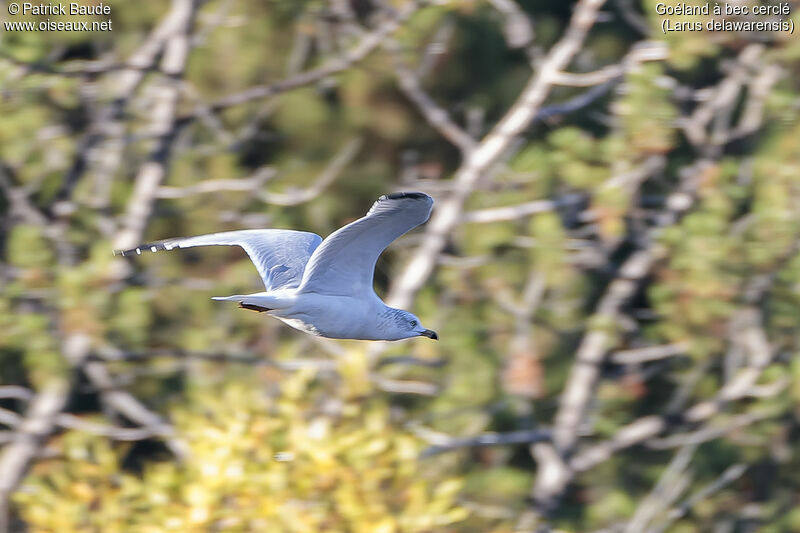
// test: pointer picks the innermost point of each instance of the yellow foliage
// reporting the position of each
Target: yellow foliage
(285, 462)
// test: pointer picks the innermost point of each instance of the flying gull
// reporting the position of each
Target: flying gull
(324, 287)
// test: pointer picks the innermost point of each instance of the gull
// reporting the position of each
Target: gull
(324, 287)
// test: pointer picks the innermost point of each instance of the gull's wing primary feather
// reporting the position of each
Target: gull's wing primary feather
(279, 255)
(344, 263)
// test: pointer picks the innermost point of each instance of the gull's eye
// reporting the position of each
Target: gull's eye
(413, 323)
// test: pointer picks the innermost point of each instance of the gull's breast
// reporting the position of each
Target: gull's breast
(303, 324)
(338, 317)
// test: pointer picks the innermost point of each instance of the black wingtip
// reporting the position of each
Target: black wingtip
(152, 247)
(399, 195)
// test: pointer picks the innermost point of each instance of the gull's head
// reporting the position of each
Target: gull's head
(405, 325)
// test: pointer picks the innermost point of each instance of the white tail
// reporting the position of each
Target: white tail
(259, 299)
(234, 298)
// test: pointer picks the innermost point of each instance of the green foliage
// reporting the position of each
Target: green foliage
(27, 248)
(647, 113)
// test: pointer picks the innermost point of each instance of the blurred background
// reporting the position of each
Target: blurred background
(612, 267)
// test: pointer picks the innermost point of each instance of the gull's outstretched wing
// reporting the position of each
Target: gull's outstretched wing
(280, 255)
(345, 262)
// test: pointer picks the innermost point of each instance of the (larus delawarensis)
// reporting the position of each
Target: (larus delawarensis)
(325, 287)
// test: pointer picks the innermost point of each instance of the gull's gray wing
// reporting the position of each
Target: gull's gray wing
(345, 261)
(280, 255)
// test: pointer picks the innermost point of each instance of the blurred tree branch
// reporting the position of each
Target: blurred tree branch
(366, 44)
(490, 148)
(164, 125)
(30, 433)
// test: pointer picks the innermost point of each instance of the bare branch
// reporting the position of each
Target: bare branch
(152, 172)
(670, 485)
(365, 46)
(18, 198)
(331, 172)
(711, 432)
(594, 345)
(411, 361)
(635, 19)
(491, 147)
(127, 405)
(434, 114)
(574, 400)
(647, 428)
(517, 27)
(731, 474)
(513, 212)
(301, 49)
(722, 97)
(9, 418)
(641, 52)
(16, 392)
(110, 354)
(576, 103)
(100, 152)
(637, 356)
(253, 183)
(442, 445)
(436, 47)
(69, 421)
(758, 89)
(31, 431)
(592, 349)
(747, 325)
(590, 79)
(18, 454)
(398, 386)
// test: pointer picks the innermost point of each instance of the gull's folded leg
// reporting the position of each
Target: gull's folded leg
(252, 307)
(260, 302)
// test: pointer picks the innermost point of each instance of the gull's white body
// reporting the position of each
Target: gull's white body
(325, 287)
(336, 317)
